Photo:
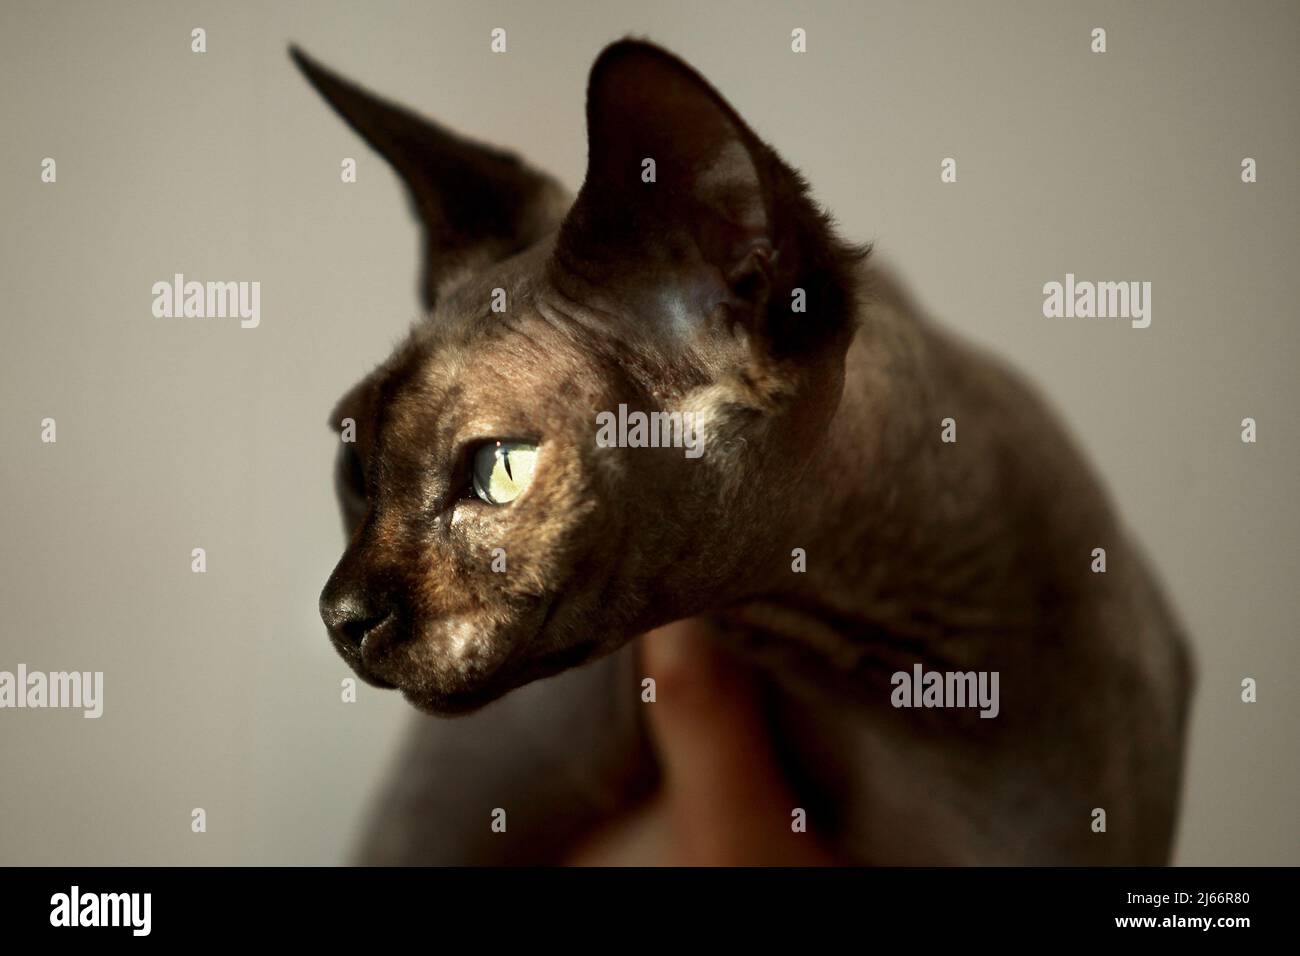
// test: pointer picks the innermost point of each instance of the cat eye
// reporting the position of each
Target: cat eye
(502, 470)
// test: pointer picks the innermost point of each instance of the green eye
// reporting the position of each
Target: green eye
(502, 470)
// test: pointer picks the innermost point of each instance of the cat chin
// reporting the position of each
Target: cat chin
(461, 702)
(452, 705)
(499, 683)
(459, 665)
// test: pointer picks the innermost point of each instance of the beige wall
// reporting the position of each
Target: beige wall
(221, 690)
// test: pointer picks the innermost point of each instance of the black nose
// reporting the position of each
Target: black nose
(351, 611)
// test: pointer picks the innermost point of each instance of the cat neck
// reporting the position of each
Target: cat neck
(938, 544)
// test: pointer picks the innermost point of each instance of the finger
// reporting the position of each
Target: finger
(727, 796)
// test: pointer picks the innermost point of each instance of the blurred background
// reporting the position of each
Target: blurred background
(221, 690)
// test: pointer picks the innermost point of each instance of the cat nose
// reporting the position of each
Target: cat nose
(348, 621)
(351, 610)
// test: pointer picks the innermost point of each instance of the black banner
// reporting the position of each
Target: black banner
(552, 906)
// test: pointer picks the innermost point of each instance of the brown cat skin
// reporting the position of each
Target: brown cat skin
(822, 432)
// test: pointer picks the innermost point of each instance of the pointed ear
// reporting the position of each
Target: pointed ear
(477, 204)
(686, 216)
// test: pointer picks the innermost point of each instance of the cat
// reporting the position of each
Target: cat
(500, 559)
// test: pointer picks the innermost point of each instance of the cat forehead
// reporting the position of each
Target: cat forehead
(458, 353)
(492, 287)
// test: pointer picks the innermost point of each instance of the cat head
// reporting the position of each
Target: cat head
(603, 420)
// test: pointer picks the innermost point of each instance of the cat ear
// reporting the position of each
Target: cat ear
(477, 203)
(685, 212)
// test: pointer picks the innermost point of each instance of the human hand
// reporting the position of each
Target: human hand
(723, 800)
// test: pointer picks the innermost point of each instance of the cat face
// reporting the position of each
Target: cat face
(486, 525)
(600, 424)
